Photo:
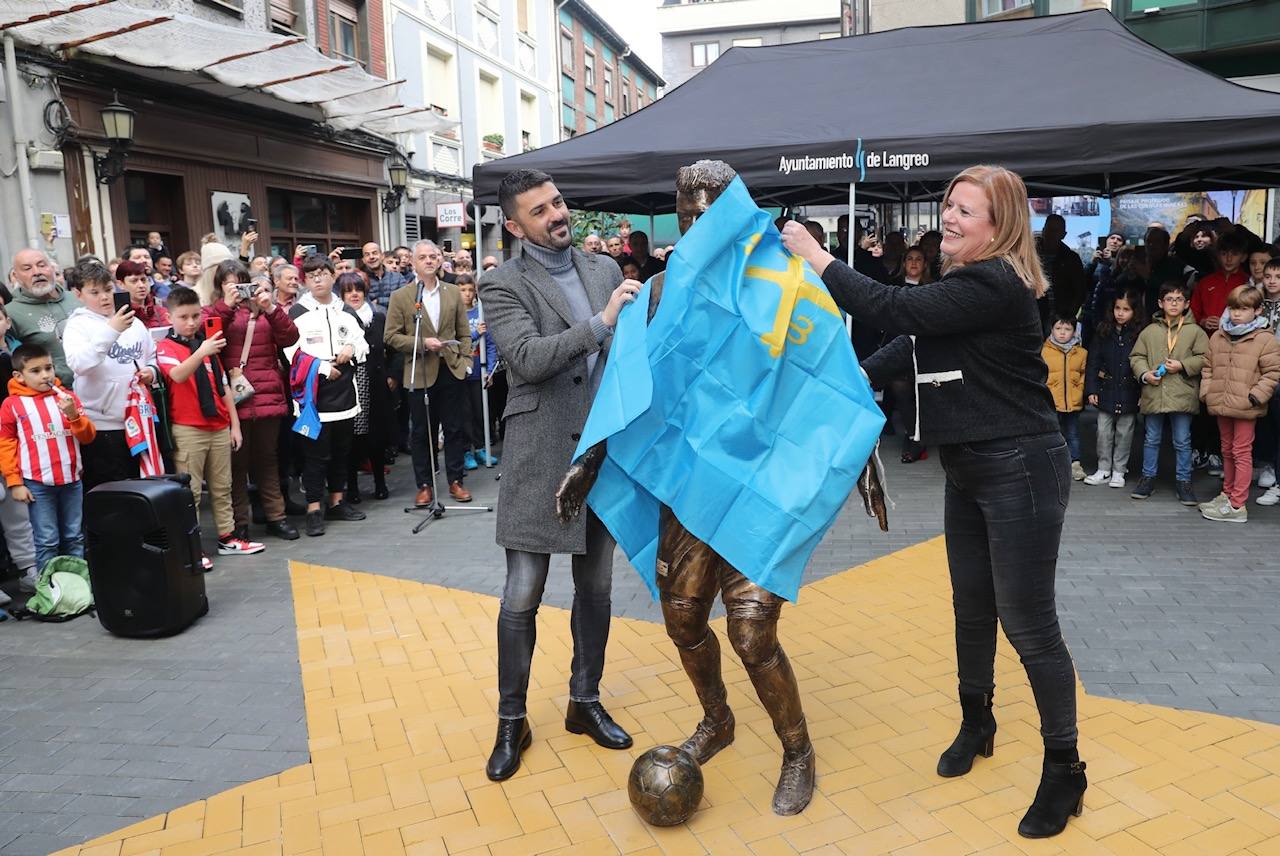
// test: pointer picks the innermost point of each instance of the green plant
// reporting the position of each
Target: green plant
(601, 223)
(495, 139)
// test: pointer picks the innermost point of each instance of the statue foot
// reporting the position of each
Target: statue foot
(709, 738)
(795, 783)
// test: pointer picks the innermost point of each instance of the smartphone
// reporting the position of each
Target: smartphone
(446, 245)
(251, 225)
(353, 253)
(1102, 242)
(212, 324)
(308, 250)
(120, 299)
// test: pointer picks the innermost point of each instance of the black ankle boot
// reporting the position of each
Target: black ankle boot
(977, 736)
(1060, 795)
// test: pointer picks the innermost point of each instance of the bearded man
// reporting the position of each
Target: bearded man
(40, 307)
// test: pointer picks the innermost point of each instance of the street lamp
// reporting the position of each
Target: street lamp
(117, 123)
(399, 172)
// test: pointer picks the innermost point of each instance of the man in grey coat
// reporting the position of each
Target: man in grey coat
(551, 311)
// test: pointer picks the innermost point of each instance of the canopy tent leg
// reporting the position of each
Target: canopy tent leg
(481, 342)
(849, 240)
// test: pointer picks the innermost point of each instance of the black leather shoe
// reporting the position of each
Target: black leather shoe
(514, 736)
(381, 492)
(282, 529)
(590, 718)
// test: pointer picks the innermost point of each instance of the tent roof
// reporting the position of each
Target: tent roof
(1075, 103)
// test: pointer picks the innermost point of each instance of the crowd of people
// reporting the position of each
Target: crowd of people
(1183, 332)
(258, 377)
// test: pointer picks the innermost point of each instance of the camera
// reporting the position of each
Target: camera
(244, 290)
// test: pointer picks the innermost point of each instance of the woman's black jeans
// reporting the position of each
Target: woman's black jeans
(1005, 504)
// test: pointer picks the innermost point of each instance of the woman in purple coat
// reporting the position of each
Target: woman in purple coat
(241, 305)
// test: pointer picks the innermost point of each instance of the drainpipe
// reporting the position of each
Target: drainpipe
(20, 144)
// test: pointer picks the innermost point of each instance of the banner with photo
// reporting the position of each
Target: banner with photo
(1132, 215)
(1088, 219)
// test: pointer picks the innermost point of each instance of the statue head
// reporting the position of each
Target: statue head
(697, 186)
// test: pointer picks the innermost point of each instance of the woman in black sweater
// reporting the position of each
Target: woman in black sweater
(972, 341)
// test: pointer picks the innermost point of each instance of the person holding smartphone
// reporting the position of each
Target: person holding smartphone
(108, 348)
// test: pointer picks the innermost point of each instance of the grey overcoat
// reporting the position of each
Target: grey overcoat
(549, 392)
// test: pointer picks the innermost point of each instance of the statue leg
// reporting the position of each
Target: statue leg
(687, 582)
(753, 632)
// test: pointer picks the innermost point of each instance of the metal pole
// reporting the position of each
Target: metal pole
(20, 144)
(484, 350)
(484, 387)
(849, 239)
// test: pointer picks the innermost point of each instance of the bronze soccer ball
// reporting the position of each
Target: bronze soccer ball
(665, 786)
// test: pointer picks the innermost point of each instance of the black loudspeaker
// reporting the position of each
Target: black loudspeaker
(143, 548)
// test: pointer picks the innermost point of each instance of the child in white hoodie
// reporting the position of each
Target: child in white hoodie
(107, 350)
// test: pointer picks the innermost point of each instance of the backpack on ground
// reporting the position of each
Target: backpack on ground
(63, 591)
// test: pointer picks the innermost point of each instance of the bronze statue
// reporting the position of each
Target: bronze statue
(689, 573)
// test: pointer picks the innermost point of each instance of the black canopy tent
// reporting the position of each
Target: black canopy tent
(1075, 103)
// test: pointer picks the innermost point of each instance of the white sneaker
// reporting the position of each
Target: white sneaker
(1098, 477)
(233, 546)
(1271, 497)
(1077, 471)
(27, 582)
(1266, 476)
(1117, 480)
(1215, 466)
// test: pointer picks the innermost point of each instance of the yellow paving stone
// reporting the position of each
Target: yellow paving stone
(205, 846)
(399, 684)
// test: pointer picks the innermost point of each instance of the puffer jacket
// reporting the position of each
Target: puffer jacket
(273, 331)
(1176, 393)
(1066, 375)
(1237, 368)
(1108, 374)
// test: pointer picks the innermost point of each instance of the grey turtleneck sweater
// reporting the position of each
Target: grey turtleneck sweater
(559, 263)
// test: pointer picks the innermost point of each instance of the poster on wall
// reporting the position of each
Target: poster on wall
(231, 215)
(1088, 218)
(1132, 215)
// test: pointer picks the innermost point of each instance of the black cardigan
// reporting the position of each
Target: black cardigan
(979, 373)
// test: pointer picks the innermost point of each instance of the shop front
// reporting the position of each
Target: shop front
(193, 172)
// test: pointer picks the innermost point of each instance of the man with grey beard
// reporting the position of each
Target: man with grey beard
(40, 307)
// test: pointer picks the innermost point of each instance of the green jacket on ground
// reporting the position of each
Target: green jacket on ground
(40, 322)
(1177, 392)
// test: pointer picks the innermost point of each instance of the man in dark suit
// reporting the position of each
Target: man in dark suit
(551, 311)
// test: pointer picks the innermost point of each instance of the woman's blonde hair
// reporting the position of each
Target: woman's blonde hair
(1011, 216)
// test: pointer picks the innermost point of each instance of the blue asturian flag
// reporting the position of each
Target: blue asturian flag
(740, 406)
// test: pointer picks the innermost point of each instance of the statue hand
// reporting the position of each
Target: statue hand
(572, 493)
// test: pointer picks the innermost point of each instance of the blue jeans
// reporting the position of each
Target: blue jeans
(56, 520)
(1181, 423)
(1069, 424)
(1005, 504)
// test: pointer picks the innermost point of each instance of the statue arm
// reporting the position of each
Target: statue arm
(571, 496)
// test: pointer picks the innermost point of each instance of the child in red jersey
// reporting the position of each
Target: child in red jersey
(41, 429)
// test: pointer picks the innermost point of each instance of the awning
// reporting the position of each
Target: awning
(284, 67)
